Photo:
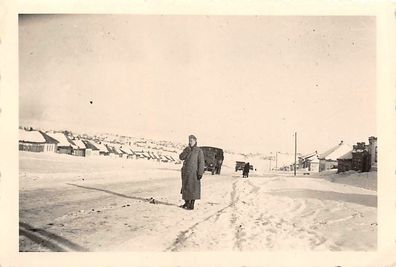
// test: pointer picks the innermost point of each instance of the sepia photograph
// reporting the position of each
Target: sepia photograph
(197, 133)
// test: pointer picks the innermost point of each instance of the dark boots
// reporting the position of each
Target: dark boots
(185, 205)
(188, 204)
(191, 205)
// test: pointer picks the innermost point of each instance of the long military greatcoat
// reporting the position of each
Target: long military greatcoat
(193, 166)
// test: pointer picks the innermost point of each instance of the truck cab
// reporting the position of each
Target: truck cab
(214, 158)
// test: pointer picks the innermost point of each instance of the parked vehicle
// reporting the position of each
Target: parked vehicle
(214, 158)
(239, 165)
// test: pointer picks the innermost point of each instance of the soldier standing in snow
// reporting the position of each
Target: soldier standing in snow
(192, 171)
(246, 170)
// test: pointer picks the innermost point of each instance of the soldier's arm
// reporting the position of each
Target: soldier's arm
(184, 154)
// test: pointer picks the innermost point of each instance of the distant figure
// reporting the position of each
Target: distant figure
(192, 171)
(246, 170)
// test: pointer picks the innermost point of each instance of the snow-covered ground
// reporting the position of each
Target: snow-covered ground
(104, 204)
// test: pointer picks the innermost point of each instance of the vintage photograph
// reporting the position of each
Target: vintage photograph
(176, 133)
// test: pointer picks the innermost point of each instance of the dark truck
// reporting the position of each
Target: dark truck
(213, 159)
(239, 165)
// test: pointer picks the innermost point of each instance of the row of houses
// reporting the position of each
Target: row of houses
(360, 157)
(58, 142)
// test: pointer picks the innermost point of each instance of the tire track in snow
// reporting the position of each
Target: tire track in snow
(239, 231)
(238, 215)
(257, 221)
(48, 240)
(183, 236)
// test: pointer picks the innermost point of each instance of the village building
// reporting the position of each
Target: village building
(51, 144)
(345, 162)
(90, 148)
(126, 153)
(78, 147)
(131, 153)
(154, 156)
(117, 151)
(63, 146)
(362, 157)
(140, 154)
(309, 162)
(328, 159)
(32, 141)
(103, 151)
(112, 151)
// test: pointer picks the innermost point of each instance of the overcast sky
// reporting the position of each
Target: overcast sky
(244, 83)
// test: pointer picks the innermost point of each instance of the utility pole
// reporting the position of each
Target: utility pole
(295, 153)
(276, 160)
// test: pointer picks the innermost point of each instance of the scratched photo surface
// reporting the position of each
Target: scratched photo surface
(197, 133)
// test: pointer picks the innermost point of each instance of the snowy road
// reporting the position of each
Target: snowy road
(73, 206)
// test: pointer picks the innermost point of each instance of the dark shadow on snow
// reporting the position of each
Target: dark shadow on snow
(125, 196)
(47, 239)
(361, 199)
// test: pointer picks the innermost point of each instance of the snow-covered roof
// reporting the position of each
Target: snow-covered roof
(336, 152)
(48, 139)
(101, 147)
(117, 150)
(89, 145)
(61, 138)
(348, 155)
(310, 155)
(31, 136)
(125, 150)
(79, 144)
(129, 148)
(111, 148)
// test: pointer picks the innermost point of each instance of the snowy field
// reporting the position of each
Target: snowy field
(102, 204)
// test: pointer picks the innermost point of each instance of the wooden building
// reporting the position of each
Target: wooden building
(345, 162)
(63, 146)
(328, 159)
(78, 147)
(32, 141)
(51, 145)
(90, 148)
(361, 157)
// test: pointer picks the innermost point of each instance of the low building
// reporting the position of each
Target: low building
(361, 157)
(314, 164)
(78, 147)
(126, 152)
(91, 149)
(328, 159)
(51, 145)
(112, 151)
(309, 162)
(103, 151)
(117, 151)
(32, 141)
(345, 162)
(63, 146)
